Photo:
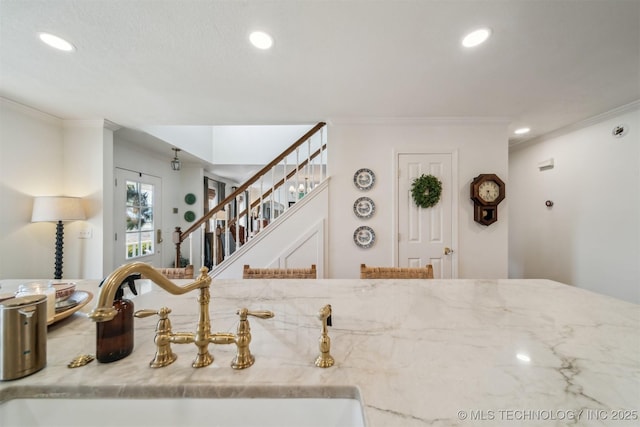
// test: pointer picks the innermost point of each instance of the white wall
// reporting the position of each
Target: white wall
(197, 140)
(31, 154)
(231, 145)
(249, 145)
(482, 148)
(83, 164)
(590, 238)
(44, 156)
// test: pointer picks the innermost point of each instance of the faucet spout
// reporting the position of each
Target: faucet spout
(104, 309)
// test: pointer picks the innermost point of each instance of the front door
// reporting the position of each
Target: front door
(137, 218)
(425, 235)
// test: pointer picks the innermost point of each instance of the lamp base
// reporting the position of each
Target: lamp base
(59, 242)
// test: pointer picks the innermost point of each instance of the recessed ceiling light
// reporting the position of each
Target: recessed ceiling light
(476, 37)
(56, 42)
(261, 40)
(521, 131)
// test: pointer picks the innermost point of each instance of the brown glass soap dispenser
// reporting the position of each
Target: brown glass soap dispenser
(114, 338)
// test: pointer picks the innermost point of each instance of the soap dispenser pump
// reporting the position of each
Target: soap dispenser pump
(114, 338)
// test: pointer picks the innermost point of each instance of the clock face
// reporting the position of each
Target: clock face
(489, 191)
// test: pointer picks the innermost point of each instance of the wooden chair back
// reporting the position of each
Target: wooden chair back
(279, 273)
(425, 272)
(177, 273)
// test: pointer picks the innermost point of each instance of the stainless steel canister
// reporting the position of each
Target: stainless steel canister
(23, 336)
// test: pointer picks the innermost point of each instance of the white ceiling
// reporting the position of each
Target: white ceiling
(177, 62)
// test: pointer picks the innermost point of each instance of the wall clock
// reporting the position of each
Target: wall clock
(487, 191)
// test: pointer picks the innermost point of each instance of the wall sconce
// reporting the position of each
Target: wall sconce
(175, 163)
(57, 209)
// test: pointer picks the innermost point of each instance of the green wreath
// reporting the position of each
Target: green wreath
(426, 190)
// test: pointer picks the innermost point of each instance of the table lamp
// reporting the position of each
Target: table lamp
(57, 209)
(221, 215)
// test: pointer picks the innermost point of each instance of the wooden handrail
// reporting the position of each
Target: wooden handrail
(180, 236)
(283, 180)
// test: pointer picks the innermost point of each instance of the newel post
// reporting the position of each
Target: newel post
(176, 241)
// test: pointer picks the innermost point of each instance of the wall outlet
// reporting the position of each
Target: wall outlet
(85, 234)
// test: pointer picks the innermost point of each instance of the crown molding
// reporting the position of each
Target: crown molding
(91, 123)
(108, 124)
(417, 121)
(30, 111)
(632, 106)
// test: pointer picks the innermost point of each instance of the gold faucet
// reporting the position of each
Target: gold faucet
(104, 307)
(325, 360)
(203, 336)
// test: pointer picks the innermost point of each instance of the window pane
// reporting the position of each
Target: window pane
(146, 219)
(147, 191)
(139, 220)
(133, 219)
(132, 194)
(146, 241)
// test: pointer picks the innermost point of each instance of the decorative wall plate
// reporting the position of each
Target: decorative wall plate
(189, 216)
(364, 207)
(364, 236)
(190, 198)
(364, 179)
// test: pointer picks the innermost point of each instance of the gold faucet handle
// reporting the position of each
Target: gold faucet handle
(163, 339)
(244, 358)
(163, 313)
(261, 314)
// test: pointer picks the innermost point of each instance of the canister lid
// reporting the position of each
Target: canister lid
(22, 301)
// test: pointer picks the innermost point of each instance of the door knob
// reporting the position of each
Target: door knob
(159, 238)
(448, 251)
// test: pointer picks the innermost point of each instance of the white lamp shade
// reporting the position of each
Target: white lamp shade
(221, 215)
(57, 209)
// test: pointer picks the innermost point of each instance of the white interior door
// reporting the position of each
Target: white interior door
(424, 234)
(137, 217)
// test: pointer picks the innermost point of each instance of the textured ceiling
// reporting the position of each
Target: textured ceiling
(176, 62)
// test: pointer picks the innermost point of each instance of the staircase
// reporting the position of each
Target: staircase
(262, 201)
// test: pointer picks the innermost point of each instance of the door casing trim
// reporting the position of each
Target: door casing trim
(455, 195)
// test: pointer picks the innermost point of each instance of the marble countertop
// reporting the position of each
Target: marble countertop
(422, 352)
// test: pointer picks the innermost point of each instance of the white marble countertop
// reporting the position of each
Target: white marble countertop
(422, 352)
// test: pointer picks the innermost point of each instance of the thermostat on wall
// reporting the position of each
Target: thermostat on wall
(546, 164)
